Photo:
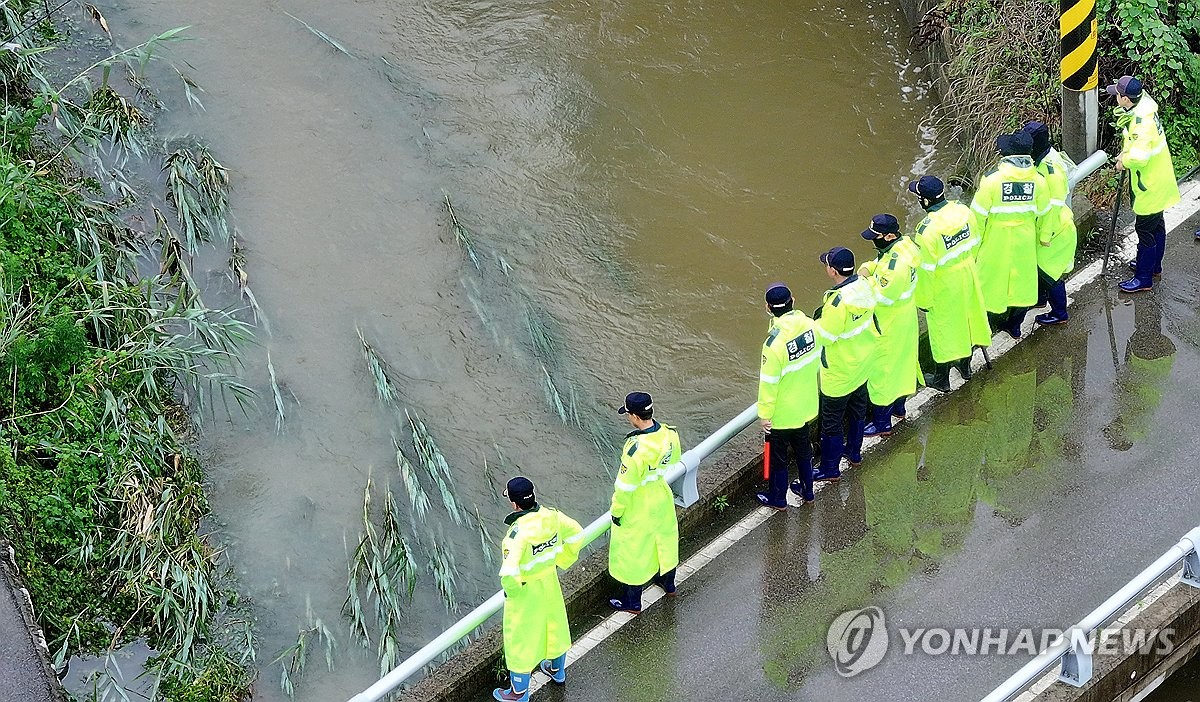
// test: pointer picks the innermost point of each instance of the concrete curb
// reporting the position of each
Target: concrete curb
(53, 690)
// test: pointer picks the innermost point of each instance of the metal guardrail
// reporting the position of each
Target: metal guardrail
(1086, 167)
(681, 476)
(683, 479)
(1073, 650)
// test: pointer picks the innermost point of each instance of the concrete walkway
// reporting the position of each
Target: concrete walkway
(25, 675)
(1022, 500)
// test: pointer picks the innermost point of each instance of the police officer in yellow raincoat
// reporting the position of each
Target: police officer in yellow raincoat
(539, 541)
(1010, 207)
(1057, 240)
(787, 397)
(1152, 184)
(895, 369)
(644, 547)
(848, 332)
(948, 282)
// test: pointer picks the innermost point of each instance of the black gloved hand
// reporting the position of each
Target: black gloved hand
(617, 521)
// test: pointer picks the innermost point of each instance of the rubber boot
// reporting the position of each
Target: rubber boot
(802, 487)
(667, 582)
(939, 378)
(1132, 265)
(964, 364)
(777, 484)
(629, 601)
(881, 422)
(518, 690)
(1142, 279)
(1058, 306)
(899, 411)
(854, 441)
(1012, 325)
(831, 458)
(556, 669)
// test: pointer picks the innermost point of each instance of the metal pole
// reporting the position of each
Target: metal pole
(1112, 224)
(1079, 74)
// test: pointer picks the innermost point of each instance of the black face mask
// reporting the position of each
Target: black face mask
(881, 243)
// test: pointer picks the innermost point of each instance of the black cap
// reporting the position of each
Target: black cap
(1040, 134)
(840, 259)
(928, 187)
(778, 295)
(520, 491)
(637, 402)
(881, 224)
(1018, 144)
(1128, 86)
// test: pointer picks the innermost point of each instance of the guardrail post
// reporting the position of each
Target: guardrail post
(1077, 661)
(686, 488)
(1191, 569)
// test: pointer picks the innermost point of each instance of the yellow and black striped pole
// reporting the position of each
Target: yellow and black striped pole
(1079, 75)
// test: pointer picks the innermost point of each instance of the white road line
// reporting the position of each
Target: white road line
(1001, 344)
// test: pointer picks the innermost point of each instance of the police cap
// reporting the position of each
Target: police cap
(881, 224)
(637, 402)
(840, 259)
(520, 491)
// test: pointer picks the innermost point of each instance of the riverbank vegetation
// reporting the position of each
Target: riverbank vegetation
(1002, 69)
(109, 358)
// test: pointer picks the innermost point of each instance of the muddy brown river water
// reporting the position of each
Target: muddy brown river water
(632, 175)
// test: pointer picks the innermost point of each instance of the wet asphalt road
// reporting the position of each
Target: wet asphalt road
(1023, 500)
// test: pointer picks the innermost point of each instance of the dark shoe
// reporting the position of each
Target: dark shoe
(798, 490)
(939, 380)
(1014, 332)
(964, 367)
(1050, 318)
(558, 675)
(871, 430)
(765, 501)
(666, 582)
(620, 606)
(510, 696)
(1135, 285)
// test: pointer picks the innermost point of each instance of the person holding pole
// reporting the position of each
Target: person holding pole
(787, 397)
(538, 542)
(644, 546)
(1152, 184)
(948, 282)
(895, 369)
